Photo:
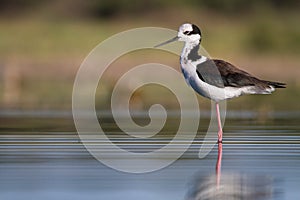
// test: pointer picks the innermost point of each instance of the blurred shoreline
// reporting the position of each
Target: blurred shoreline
(42, 47)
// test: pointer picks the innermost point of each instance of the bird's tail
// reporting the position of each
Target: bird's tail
(276, 84)
(266, 87)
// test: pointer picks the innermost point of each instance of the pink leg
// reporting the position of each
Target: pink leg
(220, 148)
(218, 165)
(220, 132)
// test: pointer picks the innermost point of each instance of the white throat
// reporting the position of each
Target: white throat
(190, 53)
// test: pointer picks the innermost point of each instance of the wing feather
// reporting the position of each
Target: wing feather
(223, 74)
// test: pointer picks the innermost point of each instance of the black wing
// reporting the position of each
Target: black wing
(223, 74)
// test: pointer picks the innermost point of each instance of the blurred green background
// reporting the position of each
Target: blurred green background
(42, 44)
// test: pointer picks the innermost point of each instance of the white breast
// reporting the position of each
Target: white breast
(212, 92)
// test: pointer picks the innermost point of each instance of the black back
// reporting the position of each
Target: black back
(223, 74)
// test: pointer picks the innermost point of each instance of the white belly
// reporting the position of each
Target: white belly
(210, 91)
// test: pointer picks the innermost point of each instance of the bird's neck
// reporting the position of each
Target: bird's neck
(190, 51)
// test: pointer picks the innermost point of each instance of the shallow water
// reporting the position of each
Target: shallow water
(41, 157)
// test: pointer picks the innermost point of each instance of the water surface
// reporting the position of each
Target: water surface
(42, 157)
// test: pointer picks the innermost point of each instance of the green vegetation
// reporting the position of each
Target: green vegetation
(42, 45)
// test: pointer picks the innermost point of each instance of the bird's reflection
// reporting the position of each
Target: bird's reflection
(230, 186)
(219, 164)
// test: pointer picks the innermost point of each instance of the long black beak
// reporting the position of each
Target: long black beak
(167, 42)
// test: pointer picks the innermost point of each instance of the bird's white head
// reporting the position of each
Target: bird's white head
(188, 33)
